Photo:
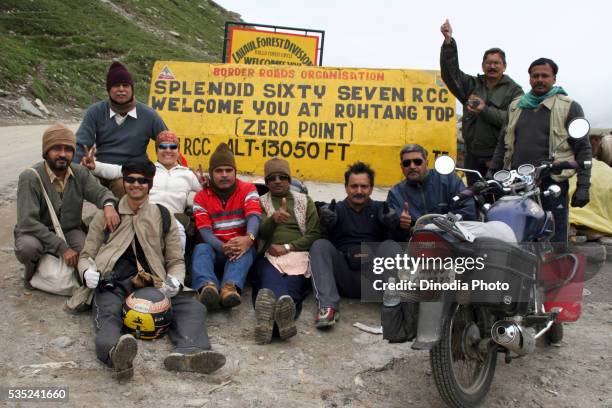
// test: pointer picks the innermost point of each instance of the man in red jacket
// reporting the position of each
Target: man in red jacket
(227, 215)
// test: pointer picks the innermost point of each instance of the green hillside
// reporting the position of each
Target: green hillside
(60, 50)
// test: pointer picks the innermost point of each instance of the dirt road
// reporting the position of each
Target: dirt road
(44, 346)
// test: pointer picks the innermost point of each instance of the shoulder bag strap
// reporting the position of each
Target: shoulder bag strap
(56, 223)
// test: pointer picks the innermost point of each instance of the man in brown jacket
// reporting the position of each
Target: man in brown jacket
(110, 261)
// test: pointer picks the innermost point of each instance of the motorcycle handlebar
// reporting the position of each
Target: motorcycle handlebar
(569, 165)
(471, 191)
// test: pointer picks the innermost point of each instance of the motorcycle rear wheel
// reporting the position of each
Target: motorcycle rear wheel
(463, 375)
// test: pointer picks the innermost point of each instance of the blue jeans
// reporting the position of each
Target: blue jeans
(267, 276)
(206, 261)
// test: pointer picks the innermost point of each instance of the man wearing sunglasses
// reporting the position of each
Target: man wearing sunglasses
(424, 191)
(139, 250)
(289, 226)
(120, 128)
(227, 215)
(485, 100)
(174, 185)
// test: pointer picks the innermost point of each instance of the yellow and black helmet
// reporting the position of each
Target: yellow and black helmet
(147, 314)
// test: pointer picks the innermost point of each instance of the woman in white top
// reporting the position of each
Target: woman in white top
(174, 186)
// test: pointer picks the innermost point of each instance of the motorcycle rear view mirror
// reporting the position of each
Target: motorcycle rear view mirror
(578, 128)
(444, 164)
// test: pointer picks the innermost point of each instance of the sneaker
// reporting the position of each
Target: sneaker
(284, 316)
(327, 316)
(122, 357)
(265, 304)
(229, 295)
(204, 362)
(209, 296)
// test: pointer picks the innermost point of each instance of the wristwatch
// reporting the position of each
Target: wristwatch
(251, 237)
(287, 247)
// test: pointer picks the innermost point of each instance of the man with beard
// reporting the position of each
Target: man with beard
(281, 277)
(424, 191)
(485, 100)
(120, 127)
(67, 185)
(336, 261)
(537, 131)
(227, 215)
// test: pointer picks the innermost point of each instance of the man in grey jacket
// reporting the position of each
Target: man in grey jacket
(67, 185)
(485, 100)
(119, 127)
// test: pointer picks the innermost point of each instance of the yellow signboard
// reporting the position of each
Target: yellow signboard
(250, 46)
(319, 119)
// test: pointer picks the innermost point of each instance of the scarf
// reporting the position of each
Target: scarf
(224, 195)
(122, 109)
(531, 101)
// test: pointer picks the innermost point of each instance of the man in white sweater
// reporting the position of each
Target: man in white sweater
(174, 186)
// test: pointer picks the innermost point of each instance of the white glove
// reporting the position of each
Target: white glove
(92, 277)
(171, 286)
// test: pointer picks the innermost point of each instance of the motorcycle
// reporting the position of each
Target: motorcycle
(465, 327)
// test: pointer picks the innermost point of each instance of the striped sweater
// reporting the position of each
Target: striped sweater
(227, 221)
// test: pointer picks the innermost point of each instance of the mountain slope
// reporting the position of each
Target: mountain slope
(60, 50)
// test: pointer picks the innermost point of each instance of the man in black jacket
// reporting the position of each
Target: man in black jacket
(485, 100)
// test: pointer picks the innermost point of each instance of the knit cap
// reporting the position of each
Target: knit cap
(58, 134)
(118, 74)
(222, 156)
(276, 165)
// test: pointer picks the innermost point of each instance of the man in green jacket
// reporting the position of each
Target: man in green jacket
(281, 276)
(67, 185)
(485, 100)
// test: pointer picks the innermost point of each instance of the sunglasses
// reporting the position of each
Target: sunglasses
(408, 162)
(141, 180)
(164, 146)
(281, 177)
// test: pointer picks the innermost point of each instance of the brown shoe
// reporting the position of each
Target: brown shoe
(209, 296)
(204, 362)
(284, 316)
(122, 357)
(229, 295)
(265, 304)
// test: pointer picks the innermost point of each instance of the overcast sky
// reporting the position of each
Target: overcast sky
(406, 34)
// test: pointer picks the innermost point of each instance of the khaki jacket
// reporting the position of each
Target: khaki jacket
(559, 106)
(164, 256)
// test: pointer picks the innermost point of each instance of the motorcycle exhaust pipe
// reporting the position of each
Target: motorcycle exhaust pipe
(514, 337)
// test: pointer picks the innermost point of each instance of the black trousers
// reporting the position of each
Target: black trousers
(478, 163)
(559, 206)
(187, 332)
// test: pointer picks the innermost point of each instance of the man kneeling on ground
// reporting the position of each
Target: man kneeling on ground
(138, 248)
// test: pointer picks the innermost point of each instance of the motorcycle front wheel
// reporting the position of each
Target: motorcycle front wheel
(462, 367)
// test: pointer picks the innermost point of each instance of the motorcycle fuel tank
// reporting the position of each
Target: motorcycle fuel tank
(524, 216)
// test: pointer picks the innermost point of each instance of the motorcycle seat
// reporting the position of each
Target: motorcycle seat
(491, 229)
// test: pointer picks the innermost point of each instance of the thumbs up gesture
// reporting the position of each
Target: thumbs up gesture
(328, 216)
(405, 221)
(447, 31)
(387, 216)
(281, 216)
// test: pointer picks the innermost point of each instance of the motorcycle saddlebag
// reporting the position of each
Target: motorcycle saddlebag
(503, 263)
(561, 289)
